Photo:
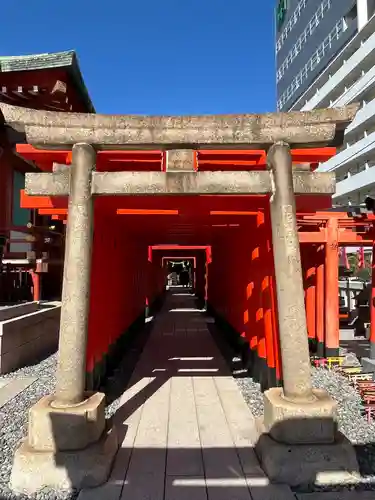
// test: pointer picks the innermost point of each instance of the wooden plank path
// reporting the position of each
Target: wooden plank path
(185, 428)
(186, 432)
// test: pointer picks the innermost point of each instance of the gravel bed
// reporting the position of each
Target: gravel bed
(252, 395)
(351, 421)
(13, 423)
(14, 415)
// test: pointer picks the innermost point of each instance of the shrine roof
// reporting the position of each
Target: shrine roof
(66, 60)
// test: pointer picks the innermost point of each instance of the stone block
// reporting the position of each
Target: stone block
(347, 334)
(25, 339)
(300, 423)
(63, 470)
(64, 429)
(307, 464)
(180, 159)
(18, 310)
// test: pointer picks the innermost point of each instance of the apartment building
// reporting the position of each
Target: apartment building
(325, 56)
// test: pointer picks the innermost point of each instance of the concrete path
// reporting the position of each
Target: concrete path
(186, 431)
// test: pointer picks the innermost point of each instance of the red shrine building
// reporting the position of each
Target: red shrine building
(30, 243)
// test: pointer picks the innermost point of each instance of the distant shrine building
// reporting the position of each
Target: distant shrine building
(31, 245)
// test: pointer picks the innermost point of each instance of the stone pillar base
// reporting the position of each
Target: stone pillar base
(302, 422)
(299, 444)
(304, 465)
(65, 448)
(69, 428)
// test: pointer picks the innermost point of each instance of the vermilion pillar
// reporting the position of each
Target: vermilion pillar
(276, 343)
(372, 307)
(332, 326)
(36, 286)
(310, 294)
(269, 330)
(320, 300)
(262, 316)
(206, 283)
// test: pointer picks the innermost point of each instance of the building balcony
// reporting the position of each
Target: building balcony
(365, 119)
(361, 59)
(357, 91)
(323, 86)
(351, 156)
(362, 181)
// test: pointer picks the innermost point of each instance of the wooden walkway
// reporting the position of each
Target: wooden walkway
(186, 432)
(185, 428)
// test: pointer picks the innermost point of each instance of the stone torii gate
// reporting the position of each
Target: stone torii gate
(67, 429)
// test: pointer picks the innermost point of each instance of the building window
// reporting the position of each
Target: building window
(280, 13)
(302, 39)
(351, 15)
(313, 62)
(290, 24)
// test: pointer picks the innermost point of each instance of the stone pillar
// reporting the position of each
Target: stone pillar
(70, 424)
(295, 414)
(289, 284)
(76, 281)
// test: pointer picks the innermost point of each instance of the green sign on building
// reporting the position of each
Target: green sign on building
(281, 12)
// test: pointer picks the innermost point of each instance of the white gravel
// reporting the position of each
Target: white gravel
(252, 395)
(13, 418)
(13, 424)
(351, 420)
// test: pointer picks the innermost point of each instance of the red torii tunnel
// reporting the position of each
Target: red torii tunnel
(228, 236)
(193, 187)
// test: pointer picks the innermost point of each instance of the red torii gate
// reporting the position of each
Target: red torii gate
(224, 217)
(321, 233)
(321, 236)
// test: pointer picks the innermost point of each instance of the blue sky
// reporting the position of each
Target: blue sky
(156, 57)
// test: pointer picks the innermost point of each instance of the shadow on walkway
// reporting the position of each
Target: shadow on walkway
(185, 430)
